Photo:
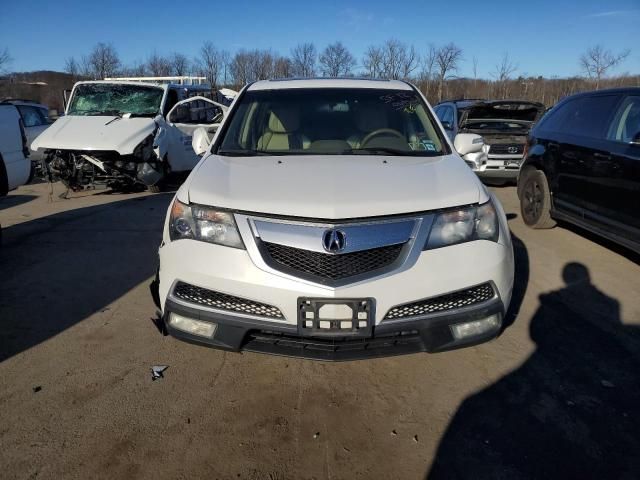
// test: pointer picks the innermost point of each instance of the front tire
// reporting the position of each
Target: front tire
(535, 200)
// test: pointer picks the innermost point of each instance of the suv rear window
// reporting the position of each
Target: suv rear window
(331, 121)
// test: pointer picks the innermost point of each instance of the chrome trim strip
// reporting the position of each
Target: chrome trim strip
(359, 236)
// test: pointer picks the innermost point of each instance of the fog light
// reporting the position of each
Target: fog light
(477, 327)
(194, 327)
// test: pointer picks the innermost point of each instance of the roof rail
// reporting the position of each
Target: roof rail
(286, 79)
(179, 80)
(23, 100)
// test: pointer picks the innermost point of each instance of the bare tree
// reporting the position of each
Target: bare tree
(398, 60)
(137, 69)
(596, 61)
(241, 68)
(179, 64)
(282, 67)
(303, 60)
(158, 65)
(372, 61)
(336, 61)
(211, 62)
(503, 72)
(428, 67)
(447, 59)
(5, 59)
(71, 67)
(104, 61)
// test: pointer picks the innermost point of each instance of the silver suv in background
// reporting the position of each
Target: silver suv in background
(504, 125)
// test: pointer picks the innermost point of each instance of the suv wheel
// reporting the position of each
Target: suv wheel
(535, 200)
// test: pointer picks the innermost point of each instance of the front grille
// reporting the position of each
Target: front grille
(507, 149)
(330, 267)
(222, 301)
(451, 301)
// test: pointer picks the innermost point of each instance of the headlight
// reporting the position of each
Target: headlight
(464, 225)
(203, 223)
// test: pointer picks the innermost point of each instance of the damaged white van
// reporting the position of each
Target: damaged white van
(332, 219)
(125, 134)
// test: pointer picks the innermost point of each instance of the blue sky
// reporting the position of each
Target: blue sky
(542, 38)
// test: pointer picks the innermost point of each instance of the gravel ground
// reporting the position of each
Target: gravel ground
(557, 395)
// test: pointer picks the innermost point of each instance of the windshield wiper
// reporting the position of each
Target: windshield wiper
(244, 153)
(390, 151)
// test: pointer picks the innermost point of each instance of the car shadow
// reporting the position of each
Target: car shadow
(571, 410)
(14, 200)
(521, 277)
(603, 242)
(60, 269)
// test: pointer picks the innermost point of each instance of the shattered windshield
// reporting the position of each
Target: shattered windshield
(332, 121)
(115, 99)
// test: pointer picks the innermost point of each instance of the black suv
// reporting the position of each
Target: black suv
(583, 166)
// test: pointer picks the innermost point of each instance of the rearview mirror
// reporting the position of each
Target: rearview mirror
(468, 143)
(200, 141)
(446, 125)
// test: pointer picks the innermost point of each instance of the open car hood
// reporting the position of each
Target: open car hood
(334, 186)
(516, 110)
(79, 132)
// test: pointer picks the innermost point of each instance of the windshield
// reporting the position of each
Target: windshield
(115, 99)
(338, 121)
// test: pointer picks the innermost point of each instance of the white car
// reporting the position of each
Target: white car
(332, 219)
(15, 166)
(35, 118)
(125, 133)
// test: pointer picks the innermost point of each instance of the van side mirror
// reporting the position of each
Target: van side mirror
(468, 143)
(200, 141)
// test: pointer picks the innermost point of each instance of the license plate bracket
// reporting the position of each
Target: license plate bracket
(356, 319)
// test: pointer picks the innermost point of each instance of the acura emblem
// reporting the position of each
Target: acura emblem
(512, 149)
(334, 241)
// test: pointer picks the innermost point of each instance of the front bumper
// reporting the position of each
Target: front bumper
(431, 333)
(435, 273)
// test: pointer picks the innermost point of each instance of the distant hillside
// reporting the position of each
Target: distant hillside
(45, 87)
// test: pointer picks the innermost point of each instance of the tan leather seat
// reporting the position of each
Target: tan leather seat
(369, 118)
(282, 132)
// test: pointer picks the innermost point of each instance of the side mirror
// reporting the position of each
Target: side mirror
(468, 143)
(200, 141)
(446, 125)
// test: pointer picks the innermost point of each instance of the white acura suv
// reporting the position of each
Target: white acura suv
(333, 219)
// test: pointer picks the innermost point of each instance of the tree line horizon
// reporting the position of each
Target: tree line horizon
(434, 71)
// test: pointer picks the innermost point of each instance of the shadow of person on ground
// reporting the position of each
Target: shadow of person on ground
(572, 410)
(60, 269)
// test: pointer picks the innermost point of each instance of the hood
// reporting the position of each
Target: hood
(504, 110)
(79, 132)
(334, 186)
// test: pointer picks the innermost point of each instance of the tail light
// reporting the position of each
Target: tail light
(25, 147)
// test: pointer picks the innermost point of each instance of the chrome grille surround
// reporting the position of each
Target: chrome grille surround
(271, 242)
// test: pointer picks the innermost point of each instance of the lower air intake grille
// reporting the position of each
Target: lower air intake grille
(451, 301)
(222, 301)
(330, 267)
